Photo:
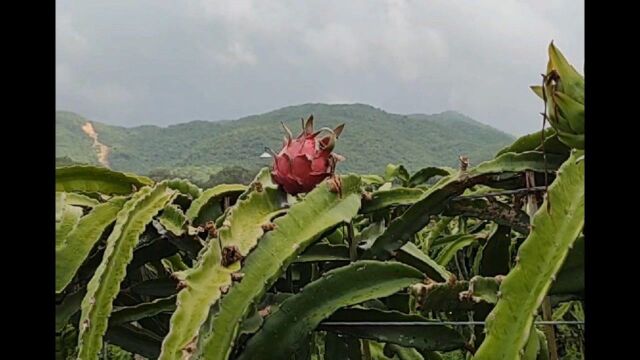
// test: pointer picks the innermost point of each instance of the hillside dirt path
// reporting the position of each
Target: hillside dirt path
(101, 149)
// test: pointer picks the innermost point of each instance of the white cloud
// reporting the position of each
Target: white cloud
(196, 58)
(236, 54)
(68, 39)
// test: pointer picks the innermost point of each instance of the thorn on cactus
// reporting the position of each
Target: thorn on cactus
(210, 227)
(268, 227)
(181, 285)
(257, 186)
(190, 348)
(452, 279)
(335, 184)
(230, 255)
(265, 312)
(464, 162)
(237, 276)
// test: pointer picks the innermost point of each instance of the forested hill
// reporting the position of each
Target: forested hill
(372, 139)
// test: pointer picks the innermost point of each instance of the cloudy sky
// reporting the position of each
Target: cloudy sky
(163, 62)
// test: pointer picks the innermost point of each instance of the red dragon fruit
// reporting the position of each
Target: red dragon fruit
(306, 160)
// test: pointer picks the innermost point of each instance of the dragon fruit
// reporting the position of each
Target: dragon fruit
(307, 160)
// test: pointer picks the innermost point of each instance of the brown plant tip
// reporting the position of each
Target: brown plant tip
(190, 348)
(470, 348)
(335, 185)
(464, 162)
(268, 227)
(452, 279)
(230, 255)
(181, 285)
(237, 276)
(265, 312)
(419, 291)
(210, 227)
(257, 186)
(175, 275)
(465, 295)
(224, 289)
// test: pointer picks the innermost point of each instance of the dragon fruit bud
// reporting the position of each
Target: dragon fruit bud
(307, 160)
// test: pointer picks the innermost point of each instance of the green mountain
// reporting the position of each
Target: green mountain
(372, 139)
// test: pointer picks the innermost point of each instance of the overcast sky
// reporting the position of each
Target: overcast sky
(164, 62)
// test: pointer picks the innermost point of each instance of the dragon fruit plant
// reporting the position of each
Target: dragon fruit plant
(563, 95)
(169, 271)
(307, 160)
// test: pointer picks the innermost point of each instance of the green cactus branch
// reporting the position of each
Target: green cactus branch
(77, 199)
(435, 199)
(320, 210)
(140, 311)
(555, 228)
(205, 283)
(422, 176)
(185, 187)
(67, 218)
(393, 197)
(135, 339)
(198, 211)
(77, 245)
(300, 314)
(530, 142)
(490, 209)
(173, 220)
(410, 254)
(105, 284)
(87, 178)
(421, 337)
